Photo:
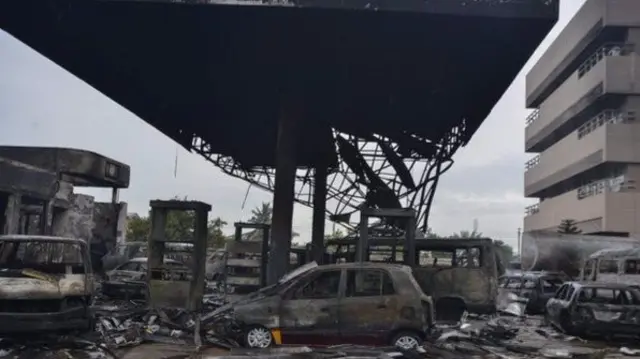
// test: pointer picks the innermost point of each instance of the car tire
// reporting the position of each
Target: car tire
(406, 340)
(257, 336)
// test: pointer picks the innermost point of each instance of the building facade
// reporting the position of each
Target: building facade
(584, 130)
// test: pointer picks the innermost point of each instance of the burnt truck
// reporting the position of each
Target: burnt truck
(46, 284)
(552, 251)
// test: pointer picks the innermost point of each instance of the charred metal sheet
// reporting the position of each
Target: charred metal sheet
(23, 178)
(79, 167)
(362, 40)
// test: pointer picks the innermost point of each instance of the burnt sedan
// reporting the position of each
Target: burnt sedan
(353, 303)
(533, 289)
(593, 308)
(45, 284)
(128, 280)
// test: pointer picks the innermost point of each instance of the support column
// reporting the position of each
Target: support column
(363, 239)
(12, 214)
(284, 188)
(319, 207)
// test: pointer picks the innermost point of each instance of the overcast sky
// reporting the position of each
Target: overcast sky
(43, 105)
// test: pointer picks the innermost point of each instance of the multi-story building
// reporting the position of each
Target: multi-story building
(585, 124)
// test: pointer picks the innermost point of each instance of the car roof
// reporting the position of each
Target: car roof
(144, 260)
(367, 265)
(533, 275)
(29, 237)
(603, 285)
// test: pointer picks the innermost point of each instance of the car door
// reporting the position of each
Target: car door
(370, 307)
(556, 305)
(309, 309)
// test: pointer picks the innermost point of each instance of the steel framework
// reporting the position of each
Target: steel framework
(407, 178)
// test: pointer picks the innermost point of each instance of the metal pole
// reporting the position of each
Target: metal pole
(319, 206)
(519, 244)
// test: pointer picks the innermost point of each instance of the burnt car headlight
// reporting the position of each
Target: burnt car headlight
(73, 302)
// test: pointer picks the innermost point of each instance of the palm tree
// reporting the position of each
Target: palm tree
(467, 234)
(262, 213)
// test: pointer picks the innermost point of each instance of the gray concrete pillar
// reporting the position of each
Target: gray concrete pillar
(319, 207)
(284, 188)
(12, 214)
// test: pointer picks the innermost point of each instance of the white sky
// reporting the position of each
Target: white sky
(43, 105)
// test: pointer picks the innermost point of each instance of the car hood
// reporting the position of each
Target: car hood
(46, 287)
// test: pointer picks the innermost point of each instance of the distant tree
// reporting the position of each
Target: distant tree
(137, 228)
(568, 226)
(337, 234)
(467, 235)
(180, 225)
(261, 214)
(504, 250)
(431, 234)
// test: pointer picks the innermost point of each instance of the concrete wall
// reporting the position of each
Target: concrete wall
(108, 223)
(77, 220)
(615, 209)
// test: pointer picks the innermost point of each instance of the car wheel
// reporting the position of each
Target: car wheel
(258, 337)
(406, 341)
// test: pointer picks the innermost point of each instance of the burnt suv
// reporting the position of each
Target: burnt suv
(353, 303)
(45, 284)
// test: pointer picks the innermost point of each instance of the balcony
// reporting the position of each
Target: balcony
(614, 69)
(532, 163)
(595, 21)
(611, 136)
(610, 204)
(534, 115)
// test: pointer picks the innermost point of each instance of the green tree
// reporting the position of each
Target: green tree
(180, 225)
(261, 214)
(467, 235)
(137, 228)
(336, 234)
(431, 234)
(504, 250)
(568, 226)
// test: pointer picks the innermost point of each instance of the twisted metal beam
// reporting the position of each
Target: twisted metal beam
(411, 177)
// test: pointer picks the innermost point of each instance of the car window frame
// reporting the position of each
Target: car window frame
(290, 292)
(124, 266)
(562, 291)
(382, 272)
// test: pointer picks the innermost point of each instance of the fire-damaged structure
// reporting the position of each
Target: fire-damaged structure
(45, 284)
(37, 197)
(369, 100)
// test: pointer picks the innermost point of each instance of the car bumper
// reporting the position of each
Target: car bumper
(125, 289)
(71, 319)
(484, 308)
(612, 329)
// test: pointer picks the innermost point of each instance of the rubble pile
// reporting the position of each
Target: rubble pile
(126, 323)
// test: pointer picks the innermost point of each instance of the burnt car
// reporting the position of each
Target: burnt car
(351, 303)
(532, 289)
(128, 280)
(596, 308)
(46, 284)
